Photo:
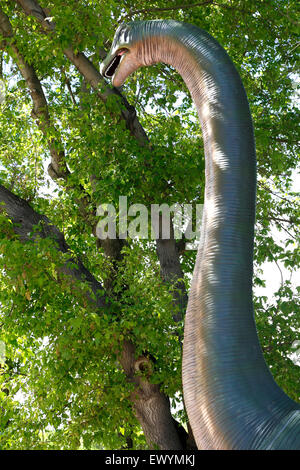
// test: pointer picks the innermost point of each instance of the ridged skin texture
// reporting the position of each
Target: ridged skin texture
(231, 398)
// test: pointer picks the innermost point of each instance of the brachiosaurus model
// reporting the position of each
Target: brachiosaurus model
(231, 398)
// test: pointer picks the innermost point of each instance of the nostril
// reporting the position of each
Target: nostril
(122, 51)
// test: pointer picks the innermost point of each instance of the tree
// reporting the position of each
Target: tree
(93, 328)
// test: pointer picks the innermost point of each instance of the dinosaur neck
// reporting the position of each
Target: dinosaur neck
(230, 173)
(229, 392)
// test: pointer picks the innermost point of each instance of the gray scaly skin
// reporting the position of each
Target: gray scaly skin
(231, 398)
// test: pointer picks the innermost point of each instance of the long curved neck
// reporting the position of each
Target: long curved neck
(231, 398)
(230, 174)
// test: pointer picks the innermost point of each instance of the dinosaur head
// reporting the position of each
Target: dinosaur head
(132, 47)
(121, 60)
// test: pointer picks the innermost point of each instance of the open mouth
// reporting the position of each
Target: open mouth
(113, 65)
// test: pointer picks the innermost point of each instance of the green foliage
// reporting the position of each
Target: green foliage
(62, 386)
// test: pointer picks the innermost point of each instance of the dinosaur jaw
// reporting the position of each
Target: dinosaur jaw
(111, 64)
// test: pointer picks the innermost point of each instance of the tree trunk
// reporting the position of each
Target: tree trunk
(151, 406)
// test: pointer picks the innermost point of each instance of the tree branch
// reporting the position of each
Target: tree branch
(57, 169)
(91, 74)
(26, 220)
(40, 107)
(68, 85)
